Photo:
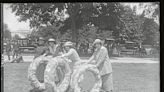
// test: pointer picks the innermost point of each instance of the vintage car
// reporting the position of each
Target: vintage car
(26, 45)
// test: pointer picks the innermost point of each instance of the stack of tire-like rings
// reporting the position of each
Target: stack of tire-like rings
(49, 84)
(79, 71)
(50, 72)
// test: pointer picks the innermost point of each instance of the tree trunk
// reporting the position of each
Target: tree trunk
(73, 12)
(74, 31)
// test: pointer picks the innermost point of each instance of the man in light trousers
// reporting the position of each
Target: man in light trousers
(100, 58)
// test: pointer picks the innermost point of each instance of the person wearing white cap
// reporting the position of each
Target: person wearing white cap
(100, 58)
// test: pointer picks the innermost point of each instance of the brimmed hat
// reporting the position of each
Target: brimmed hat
(97, 41)
(51, 40)
(69, 43)
(41, 38)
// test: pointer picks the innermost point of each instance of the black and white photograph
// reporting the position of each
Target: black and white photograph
(80, 47)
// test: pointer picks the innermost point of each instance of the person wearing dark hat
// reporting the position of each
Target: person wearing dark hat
(53, 51)
(41, 51)
(17, 57)
(41, 48)
(53, 48)
(15, 49)
(100, 58)
(8, 49)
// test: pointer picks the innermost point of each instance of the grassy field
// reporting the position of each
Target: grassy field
(126, 77)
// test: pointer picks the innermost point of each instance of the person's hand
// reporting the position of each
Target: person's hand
(59, 56)
(66, 59)
(42, 87)
(61, 53)
(77, 63)
(90, 62)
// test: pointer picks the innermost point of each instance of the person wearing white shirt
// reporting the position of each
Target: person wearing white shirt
(71, 54)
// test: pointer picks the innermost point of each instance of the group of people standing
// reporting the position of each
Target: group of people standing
(14, 50)
(99, 58)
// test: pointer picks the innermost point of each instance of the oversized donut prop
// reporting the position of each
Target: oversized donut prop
(50, 75)
(33, 72)
(86, 78)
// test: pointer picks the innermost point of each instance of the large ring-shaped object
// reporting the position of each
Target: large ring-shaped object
(32, 72)
(78, 76)
(50, 74)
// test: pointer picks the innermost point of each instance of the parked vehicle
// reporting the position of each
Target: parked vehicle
(129, 48)
(26, 44)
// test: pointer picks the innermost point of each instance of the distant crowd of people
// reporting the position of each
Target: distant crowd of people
(13, 49)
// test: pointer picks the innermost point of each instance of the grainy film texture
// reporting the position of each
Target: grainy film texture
(81, 47)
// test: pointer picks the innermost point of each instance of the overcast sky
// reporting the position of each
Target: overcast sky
(11, 20)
